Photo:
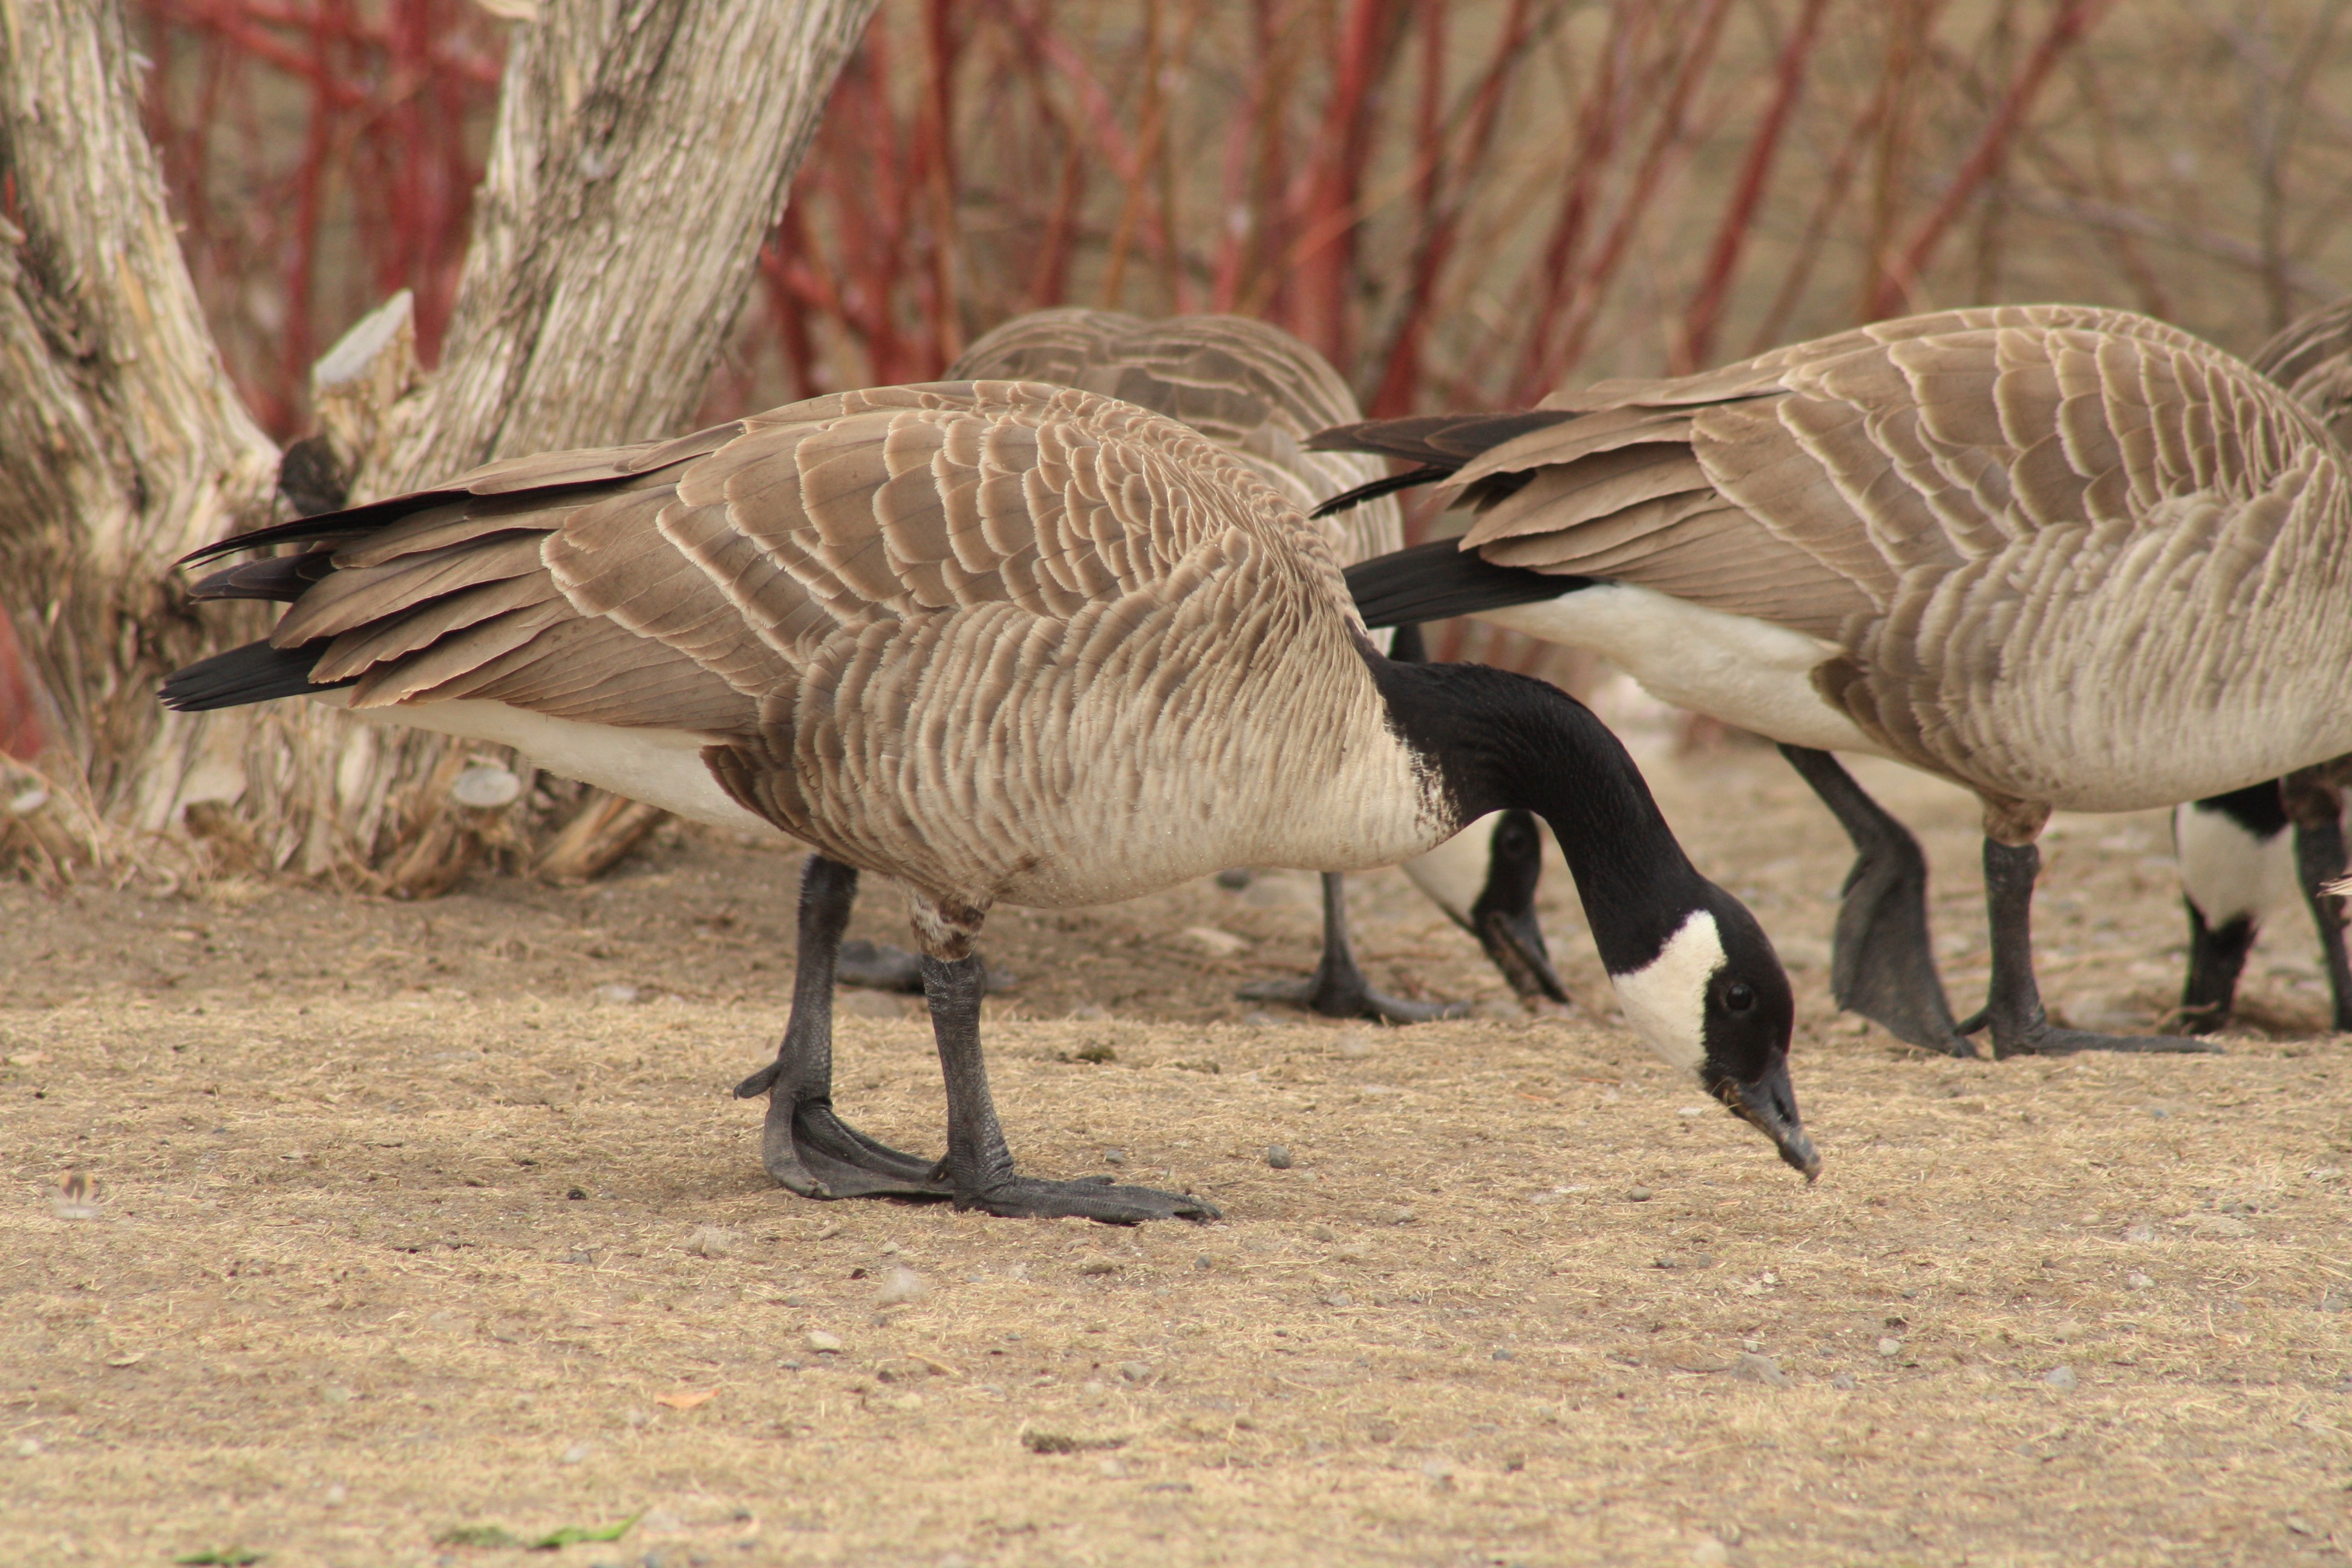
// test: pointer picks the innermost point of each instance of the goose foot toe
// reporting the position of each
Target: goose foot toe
(811, 1151)
(1095, 1198)
(1350, 1002)
(2051, 1040)
(878, 966)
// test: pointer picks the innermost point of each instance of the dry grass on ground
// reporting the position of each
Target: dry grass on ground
(408, 1228)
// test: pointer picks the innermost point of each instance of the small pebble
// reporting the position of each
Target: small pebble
(1278, 1156)
(2136, 1281)
(1203, 1261)
(1260, 1019)
(1439, 1472)
(709, 1241)
(1503, 1353)
(1089, 1013)
(2061, 1378)
(1638, 1194)
(1844, 1379)
(618, 995)
(1324, 1232)
(1752, 1368)
(1352, 1045)
(335, 1496)
(2301, 1525)
(27, 1447)
(574, 1454)
(906, 1402)
(1099, 1266)
(824, 1343)
(900, 1285)
(1708, 1553)
(1114, 1156)
(1890, 1346)
(1404, 1216)
(2140, 1234)
(1135, 1371)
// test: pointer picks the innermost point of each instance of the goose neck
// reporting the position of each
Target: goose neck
(1499, 741)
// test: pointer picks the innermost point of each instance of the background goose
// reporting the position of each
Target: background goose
(1259, 393)
(1004, 643)
(2069, 558)
(2237, 859)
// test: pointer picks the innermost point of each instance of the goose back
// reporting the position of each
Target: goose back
(1250, 388)
(2057, 553)
(1003, 640)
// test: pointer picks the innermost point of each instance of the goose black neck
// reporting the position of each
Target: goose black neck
(1500, 740)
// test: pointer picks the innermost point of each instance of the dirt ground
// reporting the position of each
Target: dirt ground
(418, 1225)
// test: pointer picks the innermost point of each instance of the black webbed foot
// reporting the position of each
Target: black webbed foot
(812, 1151)
(1343, 1000)
(1093, 1197)
(1337, 988)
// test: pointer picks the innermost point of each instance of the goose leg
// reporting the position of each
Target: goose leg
(979, 1166)
(804, 1144)
(2013, 1007)
(1337, 988)
(2316, 810)
(1882, 965)
(2217, 955)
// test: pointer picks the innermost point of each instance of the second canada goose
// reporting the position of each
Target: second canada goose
(1003, 642)
(2070, 558)
(2237, 859)
(1259, 393)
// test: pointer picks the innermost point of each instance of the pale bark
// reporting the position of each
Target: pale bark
(121, 442)
(643, 153)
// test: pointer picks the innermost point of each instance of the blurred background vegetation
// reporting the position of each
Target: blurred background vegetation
(1461, 202)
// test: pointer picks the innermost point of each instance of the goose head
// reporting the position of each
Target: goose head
(1714, 1000)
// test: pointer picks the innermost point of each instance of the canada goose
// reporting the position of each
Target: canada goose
(2236, 861)
(1003, 642)
(2070, 558)
(1259, 393)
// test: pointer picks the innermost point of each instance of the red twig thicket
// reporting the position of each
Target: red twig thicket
(1463, 203)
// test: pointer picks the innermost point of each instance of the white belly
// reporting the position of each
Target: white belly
(2228, 872)
(1747, 673)
(660, 767)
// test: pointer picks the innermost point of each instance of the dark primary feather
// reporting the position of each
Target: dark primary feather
(254, 673)
(279, 579)
(1429, 581)
(1347, 500)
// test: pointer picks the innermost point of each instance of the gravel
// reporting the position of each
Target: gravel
(1278, 1156)
(1752, 1368)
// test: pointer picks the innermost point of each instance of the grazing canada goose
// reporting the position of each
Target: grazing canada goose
(2237, 862)
(1259, 393)
(1003, 642)
(2070, 558)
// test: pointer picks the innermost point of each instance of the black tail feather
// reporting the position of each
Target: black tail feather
(254, 673)
(1428, 473)
(1429, 581)
(279, 579)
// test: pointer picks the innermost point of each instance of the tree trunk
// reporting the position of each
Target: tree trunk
(644, 151)
(122, 443)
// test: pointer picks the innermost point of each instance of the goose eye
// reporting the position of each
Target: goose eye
(1739, 996)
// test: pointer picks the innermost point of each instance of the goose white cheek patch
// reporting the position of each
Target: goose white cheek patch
(1665, 999)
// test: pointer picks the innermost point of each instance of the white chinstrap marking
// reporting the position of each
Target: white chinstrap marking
(660, 767)
(2227, 871)
(1665, 999)
(1744, 671)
